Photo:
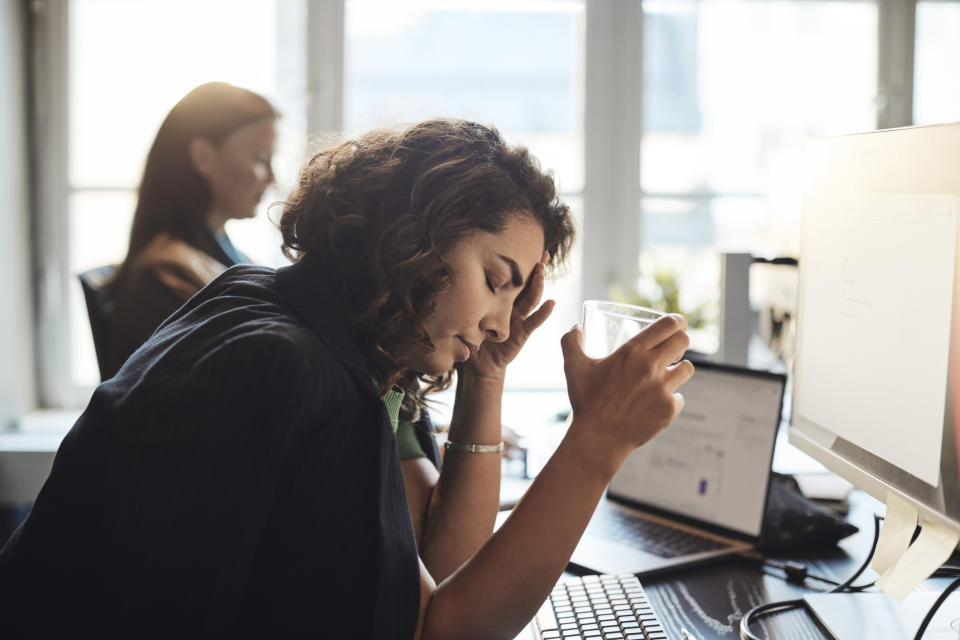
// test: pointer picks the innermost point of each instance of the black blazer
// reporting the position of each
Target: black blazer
(237, 477)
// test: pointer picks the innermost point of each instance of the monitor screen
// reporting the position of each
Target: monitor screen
(877, 372)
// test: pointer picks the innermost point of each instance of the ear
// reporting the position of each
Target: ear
(202, 155)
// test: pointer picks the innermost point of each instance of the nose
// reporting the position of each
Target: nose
(496, 324)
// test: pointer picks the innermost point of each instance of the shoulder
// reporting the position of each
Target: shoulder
(237, 344)
(239, 291)
(236, 327)
(177, 265)
(256, 382)
(265, 349)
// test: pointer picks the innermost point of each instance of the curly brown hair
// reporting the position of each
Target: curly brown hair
(381, 211)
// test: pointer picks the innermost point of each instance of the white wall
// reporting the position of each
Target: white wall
(17, 381)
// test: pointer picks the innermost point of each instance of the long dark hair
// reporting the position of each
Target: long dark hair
(173, 197)
(379, 213)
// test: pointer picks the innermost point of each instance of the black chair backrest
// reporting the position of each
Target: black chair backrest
(98, 308)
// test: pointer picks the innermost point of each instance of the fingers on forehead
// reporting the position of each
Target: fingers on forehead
(536, 278)
(531, 293)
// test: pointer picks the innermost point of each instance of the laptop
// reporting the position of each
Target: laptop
(698, 490)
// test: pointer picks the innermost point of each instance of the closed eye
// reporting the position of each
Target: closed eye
(515, 278)
(490, 285)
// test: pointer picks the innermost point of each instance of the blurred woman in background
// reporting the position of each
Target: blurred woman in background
(209, 163)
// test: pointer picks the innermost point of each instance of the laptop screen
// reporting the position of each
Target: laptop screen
(713, 463)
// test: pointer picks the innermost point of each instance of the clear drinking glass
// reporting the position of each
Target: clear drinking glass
(607, 325)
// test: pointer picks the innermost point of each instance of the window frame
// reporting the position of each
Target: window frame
(49, 101)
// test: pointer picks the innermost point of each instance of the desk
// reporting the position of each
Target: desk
(709, 601)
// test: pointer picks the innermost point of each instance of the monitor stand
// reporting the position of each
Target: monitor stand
(853, 616)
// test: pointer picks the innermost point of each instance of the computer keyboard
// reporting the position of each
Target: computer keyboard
(605, 606)
(650, 536)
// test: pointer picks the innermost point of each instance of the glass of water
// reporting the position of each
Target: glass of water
(606, 325)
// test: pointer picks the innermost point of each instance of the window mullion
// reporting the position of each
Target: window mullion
(325, 59)
(50, 102)
(897, 33)
(612, 130)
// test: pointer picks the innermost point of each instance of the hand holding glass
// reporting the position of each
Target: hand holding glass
(607, 325)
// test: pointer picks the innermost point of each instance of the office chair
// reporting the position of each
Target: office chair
(98, 308)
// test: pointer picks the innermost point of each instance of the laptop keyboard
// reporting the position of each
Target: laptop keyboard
(605, 606)
(650, 536)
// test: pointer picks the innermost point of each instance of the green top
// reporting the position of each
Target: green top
(407, 442)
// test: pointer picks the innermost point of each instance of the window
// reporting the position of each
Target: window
(694, 149)
(732, 89)
(936, 96)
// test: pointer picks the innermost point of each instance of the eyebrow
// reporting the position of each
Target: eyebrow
(516, 279)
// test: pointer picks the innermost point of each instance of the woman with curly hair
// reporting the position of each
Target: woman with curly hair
(263, 466)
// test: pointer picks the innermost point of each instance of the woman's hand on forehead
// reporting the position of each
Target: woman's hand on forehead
(493, 357)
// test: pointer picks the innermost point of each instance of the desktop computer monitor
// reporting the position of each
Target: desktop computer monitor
(876, 394)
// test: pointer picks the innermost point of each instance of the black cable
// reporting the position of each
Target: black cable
(786, 605)
(764, 609)
(873, 548)
(797, 572)
(936, 605)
